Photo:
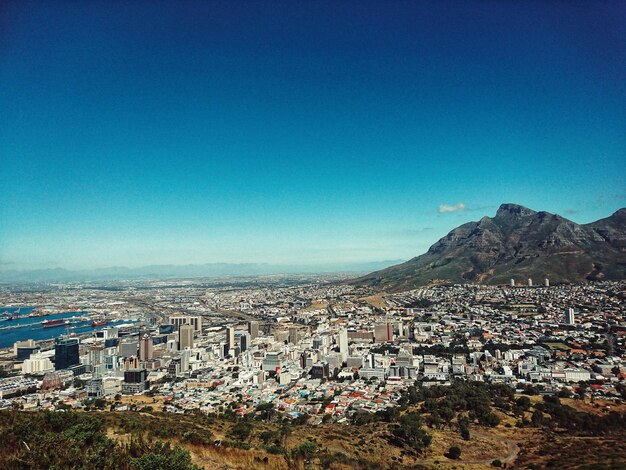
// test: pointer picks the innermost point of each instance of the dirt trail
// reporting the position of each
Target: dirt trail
(512, 451)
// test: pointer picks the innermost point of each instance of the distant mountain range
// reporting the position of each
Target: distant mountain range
(518, 243)
(210, 270)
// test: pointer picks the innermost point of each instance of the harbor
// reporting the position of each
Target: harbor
(45, 327)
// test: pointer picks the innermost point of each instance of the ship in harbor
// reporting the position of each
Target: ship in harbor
(55, 323)
(98, 323)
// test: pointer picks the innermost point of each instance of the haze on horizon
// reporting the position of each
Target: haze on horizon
(306, 133)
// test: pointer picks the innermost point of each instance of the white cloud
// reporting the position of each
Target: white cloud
(445, 208)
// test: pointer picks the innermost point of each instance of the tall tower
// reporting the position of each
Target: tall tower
(343, 344)
(569, 316)
(230, 337)
(146, 352)
(293, 335)
(530, 282)
(185, 337)
(253, 329)
(66, 353)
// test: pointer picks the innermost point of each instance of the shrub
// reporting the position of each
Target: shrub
(454, 453)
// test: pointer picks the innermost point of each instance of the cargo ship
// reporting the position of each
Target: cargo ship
(97, 323)
(55, 323)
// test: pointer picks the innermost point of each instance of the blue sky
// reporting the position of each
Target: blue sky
(136, 133)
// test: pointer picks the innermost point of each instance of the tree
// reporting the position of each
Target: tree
(537, 418)
(305, 450)
(565, 393)
(454, 453)
(410, 430)
(523, 403)
(100, 403)
(162, 457)
(265, 410)
(241, 430)
(465, 433)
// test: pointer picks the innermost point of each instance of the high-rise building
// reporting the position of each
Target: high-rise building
(36, 364)
(569, 316)
(530, 282)
(512, 282)
(185, 337)
(195, 321)
(343, 344)
(293, 335)
(29, 343)
(146, 351)
(66, 353)
(96, 354)
(382, 332)
(253, 329)
(128, 348)
(135, 381)
(24, 352)
(546, 282)
(272, 361)
(230, 337)
(244, 341)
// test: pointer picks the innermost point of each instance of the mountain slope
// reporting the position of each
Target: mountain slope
(517, 243)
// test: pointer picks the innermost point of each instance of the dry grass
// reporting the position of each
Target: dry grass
(156, 401)
(376, 300)
(316, 305)
(566, 452)
(597, 407)
(230, 458)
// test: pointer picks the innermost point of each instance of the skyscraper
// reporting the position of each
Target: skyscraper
(230, 337)
(293, 335)
(244, 340)
(569, 316)
(253, 329)
(185, 337)
(382, 332)
(145, 348)
(128, 348)
(343, 344)
(66, 353)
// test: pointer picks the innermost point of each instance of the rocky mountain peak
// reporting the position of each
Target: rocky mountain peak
(517, 243)
(514, 210)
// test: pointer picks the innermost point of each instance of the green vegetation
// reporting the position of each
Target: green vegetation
(45, 440)
(454, 453)
(155, 440)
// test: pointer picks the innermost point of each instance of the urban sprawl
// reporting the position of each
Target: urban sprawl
(313, 348)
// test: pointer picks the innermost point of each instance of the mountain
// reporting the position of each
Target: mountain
(170, 271)
(517, 243)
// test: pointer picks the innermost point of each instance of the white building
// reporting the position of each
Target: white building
(37, 364)
(343, 344)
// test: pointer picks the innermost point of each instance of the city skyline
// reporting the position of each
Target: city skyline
(195, 133)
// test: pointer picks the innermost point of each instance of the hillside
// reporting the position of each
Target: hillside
(487, 422)
(517, 243)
